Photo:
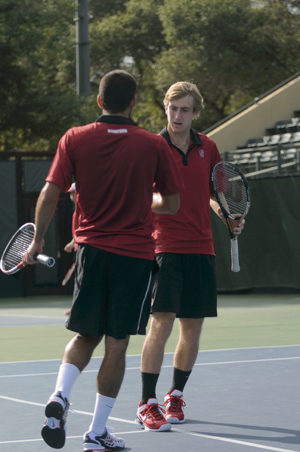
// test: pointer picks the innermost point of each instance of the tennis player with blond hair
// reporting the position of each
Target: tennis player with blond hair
(185, 285)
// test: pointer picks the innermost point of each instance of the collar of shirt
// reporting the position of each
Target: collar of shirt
(115, 119)
(194, 137)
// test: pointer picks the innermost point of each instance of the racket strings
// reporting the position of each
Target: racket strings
(231, 186)
(18, 248)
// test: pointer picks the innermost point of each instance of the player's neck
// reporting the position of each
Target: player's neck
(180, 140)
(125, 114)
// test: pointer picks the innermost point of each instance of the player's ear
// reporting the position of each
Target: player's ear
(133, 103)
(166, 108)
(99, 101)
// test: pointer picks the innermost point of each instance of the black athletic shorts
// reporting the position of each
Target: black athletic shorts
(186, 285)
(111, 294)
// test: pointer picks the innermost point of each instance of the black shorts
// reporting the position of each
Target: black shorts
(111, 294)
(186, 285)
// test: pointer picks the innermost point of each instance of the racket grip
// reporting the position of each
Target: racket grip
(46, 260)
(235, 266)
(68, 274)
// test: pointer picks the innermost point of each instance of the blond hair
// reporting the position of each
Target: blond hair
(182, 89)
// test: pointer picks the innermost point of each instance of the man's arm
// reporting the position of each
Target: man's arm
(45, 208)
(165, 204)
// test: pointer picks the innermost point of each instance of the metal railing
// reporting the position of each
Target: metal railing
(263, 158)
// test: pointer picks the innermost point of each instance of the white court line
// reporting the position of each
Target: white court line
(33, 316)
(218, 350)
(248, 361)
(164, 367)
(32, 375)
(217, 438)
(201, 435)
(234, 362)
(67, 437)
(11, 399)
(234, 441)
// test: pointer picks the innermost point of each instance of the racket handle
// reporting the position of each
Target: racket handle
(235, 266)
(46, 260)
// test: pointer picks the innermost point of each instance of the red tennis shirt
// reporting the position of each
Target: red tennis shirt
(115, 165)
(189, 230)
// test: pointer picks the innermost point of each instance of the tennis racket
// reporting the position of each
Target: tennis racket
(11, 259)
(68, 274)
(232, 192)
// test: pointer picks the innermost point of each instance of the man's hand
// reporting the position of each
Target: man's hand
(237, 225)
(34, 249)
(69, 246)
(45, 208)
(165, 204)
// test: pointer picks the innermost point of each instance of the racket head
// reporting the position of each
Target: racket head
(11, 259)
(231, 190)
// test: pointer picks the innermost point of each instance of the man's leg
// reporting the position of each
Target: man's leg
(76, 356)
(188, 345)
(154, 345)
(153, 352)
(80, 350)
(148, 413)
(184, 359)
(109, 380)
(112, 369)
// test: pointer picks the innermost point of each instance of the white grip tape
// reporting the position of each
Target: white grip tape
(46, 260)
(235, 266)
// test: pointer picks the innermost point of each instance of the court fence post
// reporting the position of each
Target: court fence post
(279, 159)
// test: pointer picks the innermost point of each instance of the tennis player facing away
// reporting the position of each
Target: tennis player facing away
(115, 165)
(185, 285)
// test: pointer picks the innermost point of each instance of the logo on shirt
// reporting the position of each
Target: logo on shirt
(117, 131)
(201, 152)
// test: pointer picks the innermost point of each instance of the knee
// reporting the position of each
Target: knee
(161, 326)
(190, 329)
(116, 346)
(89, 341)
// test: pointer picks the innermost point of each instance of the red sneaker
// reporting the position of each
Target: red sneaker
(174, 407)
(150, 415)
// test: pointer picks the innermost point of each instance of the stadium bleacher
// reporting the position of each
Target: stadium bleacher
(278, 151)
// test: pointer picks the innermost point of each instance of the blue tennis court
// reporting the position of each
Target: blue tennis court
(236, 400)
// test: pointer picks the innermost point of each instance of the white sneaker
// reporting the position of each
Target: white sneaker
(54, 429)
(93, 442)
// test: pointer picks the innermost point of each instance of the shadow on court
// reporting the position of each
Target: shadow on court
(236, 400)
(243, 393)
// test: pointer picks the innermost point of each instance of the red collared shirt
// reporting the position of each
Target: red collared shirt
(189, 230)
(115, 164)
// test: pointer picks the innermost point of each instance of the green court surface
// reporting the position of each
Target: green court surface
(243, 321)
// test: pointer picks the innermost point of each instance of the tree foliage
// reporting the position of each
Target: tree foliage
(37, 70)
(233, 50)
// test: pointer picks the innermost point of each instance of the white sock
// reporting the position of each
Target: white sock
(103, 407)
(67, 375)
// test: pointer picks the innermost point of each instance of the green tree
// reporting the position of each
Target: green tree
(232, 50)
(37, 67)
(98, 9)
(132, 39)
